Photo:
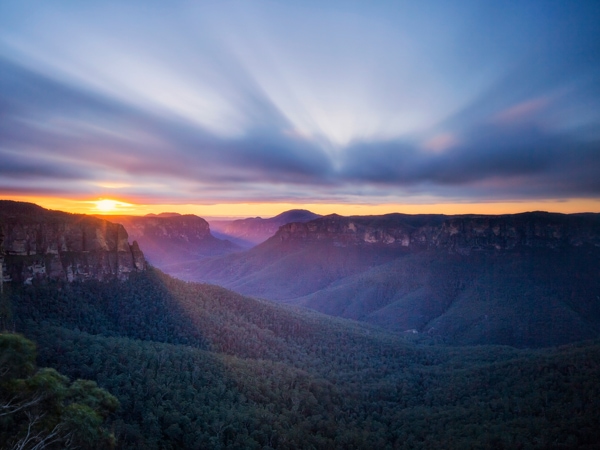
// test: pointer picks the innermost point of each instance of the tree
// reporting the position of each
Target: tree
(40, 408)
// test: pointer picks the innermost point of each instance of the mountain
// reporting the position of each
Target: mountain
(198, 366)
(170, 238)
(36, 243)
(252, 231)
(163, 214)
(525, 299)
(525, 280)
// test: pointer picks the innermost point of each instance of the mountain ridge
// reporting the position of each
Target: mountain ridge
(461, 278)
(460, 233)
(528, 279)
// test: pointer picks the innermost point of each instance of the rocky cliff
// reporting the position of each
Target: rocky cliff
(36, 243)
(458, 234)
(524, 280)
(170, 238)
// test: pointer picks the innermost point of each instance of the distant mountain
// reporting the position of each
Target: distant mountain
(252, 231)
(171, 238)
(163, 214)
(525, 280)
(36, 243)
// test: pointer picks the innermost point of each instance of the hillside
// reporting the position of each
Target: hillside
(529, 299)
(525, 280)
(254, 230)
(197, 366)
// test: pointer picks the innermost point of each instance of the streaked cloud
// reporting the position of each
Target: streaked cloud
(196, 102)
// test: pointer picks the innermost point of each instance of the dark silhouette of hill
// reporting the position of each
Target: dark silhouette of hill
(254, 230)
(163, 214)
(526, 279)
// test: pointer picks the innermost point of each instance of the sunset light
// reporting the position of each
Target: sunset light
(241, 210)
(108, 206)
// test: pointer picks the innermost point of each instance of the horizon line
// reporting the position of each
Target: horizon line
(236, 211)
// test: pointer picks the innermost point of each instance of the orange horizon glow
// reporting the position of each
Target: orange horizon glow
(113, 206)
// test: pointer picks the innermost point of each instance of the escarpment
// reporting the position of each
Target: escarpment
(456, 234)
(36, 243)
(171, 239)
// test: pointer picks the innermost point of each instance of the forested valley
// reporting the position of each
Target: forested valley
(198, 366)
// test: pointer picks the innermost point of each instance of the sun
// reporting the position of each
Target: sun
(107, 206)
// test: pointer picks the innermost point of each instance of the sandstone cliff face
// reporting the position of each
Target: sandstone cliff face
(187, 227)
(459, 234)
(173, 238)
(43, 244)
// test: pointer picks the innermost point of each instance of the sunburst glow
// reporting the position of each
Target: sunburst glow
(107, 206)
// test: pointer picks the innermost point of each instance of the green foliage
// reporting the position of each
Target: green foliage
(524, 297)
(197, 366)
(39, 408)
(17, 357)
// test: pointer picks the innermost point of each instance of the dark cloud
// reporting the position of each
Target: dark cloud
(515, 161)
(69, 125)
(16, 167)
(27, 92)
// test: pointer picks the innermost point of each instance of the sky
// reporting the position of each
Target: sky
(243, 108)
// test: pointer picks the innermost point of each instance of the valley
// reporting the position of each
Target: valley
(407, 354)
(197, 366)
(527, 280)
(173, 239)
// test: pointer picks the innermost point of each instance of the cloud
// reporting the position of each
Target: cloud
(490, 161)
(245, 105)
(440, 143)
(56, 130)
(523, 111)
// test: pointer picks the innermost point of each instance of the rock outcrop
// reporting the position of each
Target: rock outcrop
(457, 234)
(36, 243)
(170, 238)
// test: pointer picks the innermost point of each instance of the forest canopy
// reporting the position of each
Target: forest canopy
(41, 408)
(198, 366)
